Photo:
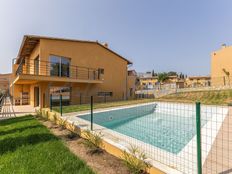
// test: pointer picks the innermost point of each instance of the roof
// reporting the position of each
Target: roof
(153, 77)
(156, 77)
(5, 75)
(132, 72)
(30, 41)
(199, 77)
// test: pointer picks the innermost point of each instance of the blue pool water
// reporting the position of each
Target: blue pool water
(165, 131)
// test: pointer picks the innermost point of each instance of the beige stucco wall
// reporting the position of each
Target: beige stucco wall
(92, 56)
(221, 59)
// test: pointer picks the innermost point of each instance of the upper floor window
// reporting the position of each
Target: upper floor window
(36, 65)
(59, 66)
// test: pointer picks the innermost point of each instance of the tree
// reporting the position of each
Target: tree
(162, 77)
(153, 73)
(172, 73)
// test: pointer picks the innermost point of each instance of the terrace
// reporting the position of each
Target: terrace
(31, 71)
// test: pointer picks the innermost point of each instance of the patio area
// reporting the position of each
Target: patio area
(8, 110)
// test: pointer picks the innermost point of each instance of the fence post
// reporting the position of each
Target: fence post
(198, 127)
(76, 72)
(61, 112)
(91, 106)
(50, 102)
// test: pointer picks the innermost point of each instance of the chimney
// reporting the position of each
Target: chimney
(224, 45)
(105, 44)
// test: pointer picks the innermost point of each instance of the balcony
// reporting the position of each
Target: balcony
(32, 71)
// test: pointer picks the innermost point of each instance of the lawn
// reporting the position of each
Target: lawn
(216, 97)
(222, 97)
(83, 107)
(26, 146)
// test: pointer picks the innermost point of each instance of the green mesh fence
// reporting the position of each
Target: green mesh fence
(165, 131)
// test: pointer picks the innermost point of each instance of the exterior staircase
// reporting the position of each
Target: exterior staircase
(6, 108)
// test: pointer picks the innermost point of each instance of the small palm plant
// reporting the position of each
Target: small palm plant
(135, 160)
(46, 116)
(93, 141)
(72, 135)
(62, 123)
(55, 118)
(38, 113)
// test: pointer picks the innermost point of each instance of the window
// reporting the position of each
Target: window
(36, 63)
(57, 91)
(102, 94)
(59, 66)
(131, 92)
(65, 64)
(101, 70)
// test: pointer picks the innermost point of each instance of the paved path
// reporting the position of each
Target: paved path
(23, 110)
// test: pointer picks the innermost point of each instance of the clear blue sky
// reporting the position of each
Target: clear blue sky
(163, 35)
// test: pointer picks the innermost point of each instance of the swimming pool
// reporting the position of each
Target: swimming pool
(170, 131)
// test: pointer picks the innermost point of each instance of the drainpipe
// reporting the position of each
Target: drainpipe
(126, 82)
(128, 66)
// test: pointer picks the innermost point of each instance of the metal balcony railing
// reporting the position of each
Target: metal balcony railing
(51, 69)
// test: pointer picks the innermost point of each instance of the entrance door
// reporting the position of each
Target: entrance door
(36, 96)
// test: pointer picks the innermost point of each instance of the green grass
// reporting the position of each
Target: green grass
(222, 97)
(77, 108)
(28, 147)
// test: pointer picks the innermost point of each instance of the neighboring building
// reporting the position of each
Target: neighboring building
(172, 79)
(149, 82)
(132, 82)
(4, 82)
(76, 68)
(197, 81)
(221, 66)
(147, 74)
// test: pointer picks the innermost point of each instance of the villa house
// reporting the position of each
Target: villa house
(221, 66)
(75, 68)
(151, 82)
(198, 81)
(148, 82)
